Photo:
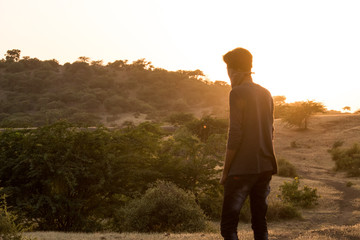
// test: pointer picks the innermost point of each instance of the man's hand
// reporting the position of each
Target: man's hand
(223, 179)
(229, 156)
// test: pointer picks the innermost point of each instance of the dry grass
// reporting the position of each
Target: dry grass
(279, 232)
(336, 217)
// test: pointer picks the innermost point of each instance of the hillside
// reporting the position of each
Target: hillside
(34, 92)
(339, 204)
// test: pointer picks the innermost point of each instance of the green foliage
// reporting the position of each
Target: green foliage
(164, 208)
(193, 165)
(12, 55)
(298, 113)
(206, 126)
(291, 194)
(337, 144)
(56, 175)
(8, 228)
(119, 87)
(67, 178)
(286, 169)
(346, 159)
(349, 184)
(280, 107)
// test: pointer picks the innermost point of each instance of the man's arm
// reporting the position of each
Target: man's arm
(235, 133)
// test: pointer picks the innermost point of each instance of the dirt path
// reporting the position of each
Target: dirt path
(308, 151)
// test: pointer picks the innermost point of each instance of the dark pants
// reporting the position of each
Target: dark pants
(237, 188)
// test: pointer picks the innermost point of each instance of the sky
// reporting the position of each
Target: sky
(304, 50)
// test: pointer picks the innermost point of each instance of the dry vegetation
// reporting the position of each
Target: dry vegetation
(336, 217)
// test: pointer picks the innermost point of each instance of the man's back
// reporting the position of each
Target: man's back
(251, 130)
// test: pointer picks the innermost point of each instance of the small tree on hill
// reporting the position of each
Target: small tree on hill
(298, 113)
(12, 55)
(84, 59)
(347, 108)
(280, 106)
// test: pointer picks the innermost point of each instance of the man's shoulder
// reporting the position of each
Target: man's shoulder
(248, 88)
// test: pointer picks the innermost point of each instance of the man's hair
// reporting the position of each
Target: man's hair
(239, 59)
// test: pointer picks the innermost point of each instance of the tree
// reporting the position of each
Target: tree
(279, 100)
(84, 59)
(221, 83)
(280, 106)
(206, 126)
(12, 55)
(298, 113)
(142, 64)
(97, 63)
(346, 108)
(164, 207)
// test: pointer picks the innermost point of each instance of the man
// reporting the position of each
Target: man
(250, 159)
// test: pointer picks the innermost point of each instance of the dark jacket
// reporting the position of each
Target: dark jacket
(251, 130)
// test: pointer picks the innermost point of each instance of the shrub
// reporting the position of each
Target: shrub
(282, 211)
(286, 169)
(337, 144)
(290, 193)
(293, 144)
(58, 176)
(211, 203)
(8, 229)
(349, 184)
(164, 207)
(346, 159)
(277, 210)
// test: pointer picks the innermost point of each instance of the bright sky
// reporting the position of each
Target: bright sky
(308, 49)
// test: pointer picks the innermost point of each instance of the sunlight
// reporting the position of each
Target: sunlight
(301, 58)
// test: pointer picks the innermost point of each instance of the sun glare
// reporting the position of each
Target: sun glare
(312, 57)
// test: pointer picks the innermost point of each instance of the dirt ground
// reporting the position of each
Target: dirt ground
(307, 150)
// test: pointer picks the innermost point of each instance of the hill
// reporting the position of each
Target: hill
(35, 92)
(308, 150)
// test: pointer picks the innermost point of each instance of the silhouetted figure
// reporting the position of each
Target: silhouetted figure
(250, 159)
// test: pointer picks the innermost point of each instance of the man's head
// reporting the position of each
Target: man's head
(239, 59)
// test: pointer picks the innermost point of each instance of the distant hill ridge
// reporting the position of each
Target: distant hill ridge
(35, 92)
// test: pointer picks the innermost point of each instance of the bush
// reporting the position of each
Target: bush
(277, 210)
(164, 207)
(337, 144)
(282, 211)
(8, 229)
(58, 176)
(346, 159)
(211, 201)
(290, 193)
(286, 169)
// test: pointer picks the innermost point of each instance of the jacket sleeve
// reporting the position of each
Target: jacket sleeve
(236, 121)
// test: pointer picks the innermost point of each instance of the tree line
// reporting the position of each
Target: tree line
(36, 92)
(85, 92)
